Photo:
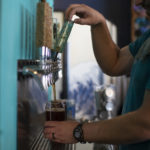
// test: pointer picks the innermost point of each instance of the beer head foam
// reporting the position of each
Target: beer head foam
(57, 106)
(56, 109)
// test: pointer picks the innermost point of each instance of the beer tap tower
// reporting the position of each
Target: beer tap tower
(36, 76)
(22, 94)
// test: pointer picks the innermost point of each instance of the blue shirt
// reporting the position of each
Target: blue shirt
(139, 82)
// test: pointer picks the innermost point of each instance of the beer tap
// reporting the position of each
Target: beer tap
(43, 68)
(49, 64)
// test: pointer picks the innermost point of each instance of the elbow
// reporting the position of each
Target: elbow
(111, 72)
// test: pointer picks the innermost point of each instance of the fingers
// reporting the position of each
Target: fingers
(60, 131)
(86, 14)
(82, 21)
(69, 16)
(50, 129)
(52, 135)
(50, 124)
(81, 10)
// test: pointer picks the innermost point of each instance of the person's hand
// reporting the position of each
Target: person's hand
(86, 14)
(60, 131)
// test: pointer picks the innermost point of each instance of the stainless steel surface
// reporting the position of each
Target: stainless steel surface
(31, 103)
(42, 67)
(31, 113)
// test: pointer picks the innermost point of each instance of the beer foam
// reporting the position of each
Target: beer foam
(56, 109)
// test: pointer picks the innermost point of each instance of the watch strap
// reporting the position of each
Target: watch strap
(79, 129)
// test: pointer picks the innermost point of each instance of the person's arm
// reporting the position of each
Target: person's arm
(130, 128)
(113, 60)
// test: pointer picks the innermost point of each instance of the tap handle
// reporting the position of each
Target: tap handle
(63, 36)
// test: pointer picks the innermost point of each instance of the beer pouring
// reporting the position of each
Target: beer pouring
(35, 78)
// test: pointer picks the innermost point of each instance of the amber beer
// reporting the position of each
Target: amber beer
(58, 115)
(56, 111)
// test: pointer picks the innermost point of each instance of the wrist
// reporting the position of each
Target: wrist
(78, 133)
(99, 24)
(86, 131)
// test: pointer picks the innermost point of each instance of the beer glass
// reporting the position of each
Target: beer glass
(56, 111)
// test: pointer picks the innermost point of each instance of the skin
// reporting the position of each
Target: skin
(129, 128)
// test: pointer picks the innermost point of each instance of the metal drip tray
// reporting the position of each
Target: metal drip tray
(40, 143)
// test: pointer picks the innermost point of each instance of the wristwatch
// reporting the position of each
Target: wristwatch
(78, 133)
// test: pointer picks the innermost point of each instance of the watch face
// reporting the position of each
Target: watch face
(77, 134)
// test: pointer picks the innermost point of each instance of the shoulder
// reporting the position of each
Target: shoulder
(136, 45)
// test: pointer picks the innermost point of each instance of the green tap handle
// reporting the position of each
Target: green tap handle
(63, 36)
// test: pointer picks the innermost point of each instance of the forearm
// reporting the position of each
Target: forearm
(129, 128)
(106, 51)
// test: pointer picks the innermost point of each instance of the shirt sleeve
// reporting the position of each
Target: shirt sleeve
(135, 46)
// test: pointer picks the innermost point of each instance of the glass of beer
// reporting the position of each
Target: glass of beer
(56, 111)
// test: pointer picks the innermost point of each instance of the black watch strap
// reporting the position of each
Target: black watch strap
(78, 133)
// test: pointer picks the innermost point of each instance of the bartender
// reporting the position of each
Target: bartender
(131, 130)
